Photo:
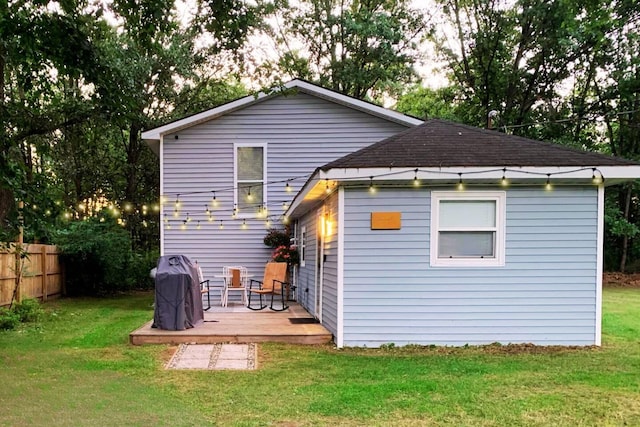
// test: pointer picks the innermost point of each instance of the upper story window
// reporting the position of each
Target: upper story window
(250, 177)
(468, 229)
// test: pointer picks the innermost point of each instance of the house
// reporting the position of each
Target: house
(229, 173)
(448, 234)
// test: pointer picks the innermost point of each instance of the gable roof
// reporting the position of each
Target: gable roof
(440, 143)
(153, 136)
(440, 152)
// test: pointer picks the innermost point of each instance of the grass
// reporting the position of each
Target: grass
(77, 368)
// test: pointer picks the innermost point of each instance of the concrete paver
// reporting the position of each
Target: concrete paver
(214, 356)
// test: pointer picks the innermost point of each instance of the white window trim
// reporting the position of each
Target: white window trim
(235, 175)
(500, 198)
(303, 245)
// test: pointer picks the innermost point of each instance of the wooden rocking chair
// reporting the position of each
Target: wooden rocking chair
(274, 283)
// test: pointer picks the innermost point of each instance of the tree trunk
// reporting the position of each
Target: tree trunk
(625, 238)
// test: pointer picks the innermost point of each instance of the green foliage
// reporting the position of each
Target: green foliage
(276, 237)
(426, 103)
(362, 49)
(138, 269)
(9, 319)
(96, 254)
(28, 310)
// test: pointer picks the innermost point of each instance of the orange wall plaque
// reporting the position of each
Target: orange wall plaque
(385, 220)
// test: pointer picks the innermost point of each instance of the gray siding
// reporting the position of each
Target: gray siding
(302, 132)
(545, 294)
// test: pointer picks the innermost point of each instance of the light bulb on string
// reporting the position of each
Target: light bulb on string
(214, 201)
(198, 226)
(267, 223)
(326, 186)
(597, 179)
(177, 202)
(166, 220)
(244, 225)
(460, 183)
(249, 195)
(235, 211)
(416, 181)
(548, 186)
(188, 218)
(284, 206)
(221, 226)
(504, 181)
(184, 225)
(372, 189)
(288, 188)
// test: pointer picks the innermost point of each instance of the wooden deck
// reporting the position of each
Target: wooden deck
(240, 325)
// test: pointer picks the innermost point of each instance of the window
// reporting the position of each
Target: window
(467, 229)
(250, 178)
(303, 245)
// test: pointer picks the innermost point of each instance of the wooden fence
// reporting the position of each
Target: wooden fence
(42, 276)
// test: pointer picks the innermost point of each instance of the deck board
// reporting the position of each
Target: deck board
(239, 327)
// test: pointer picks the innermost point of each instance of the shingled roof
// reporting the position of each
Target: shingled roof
(440, 143)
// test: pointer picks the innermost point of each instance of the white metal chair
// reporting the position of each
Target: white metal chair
(205, 287)
(235, 280)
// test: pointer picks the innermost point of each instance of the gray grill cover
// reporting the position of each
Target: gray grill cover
(178, 304)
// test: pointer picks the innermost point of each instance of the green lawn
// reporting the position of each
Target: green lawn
(76, 368)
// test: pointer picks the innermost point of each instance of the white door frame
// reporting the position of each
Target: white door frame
(319, 263)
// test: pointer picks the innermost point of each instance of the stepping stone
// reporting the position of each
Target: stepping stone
(214, 356)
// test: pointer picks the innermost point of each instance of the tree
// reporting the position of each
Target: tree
(362, 48)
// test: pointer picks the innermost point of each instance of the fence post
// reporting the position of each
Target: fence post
(19, 248)
(45, 279)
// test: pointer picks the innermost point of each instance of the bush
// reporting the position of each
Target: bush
(139, 266)
(28, 310)
(96, 255)
(9, 319)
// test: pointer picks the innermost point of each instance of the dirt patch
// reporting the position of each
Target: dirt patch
(621, 280)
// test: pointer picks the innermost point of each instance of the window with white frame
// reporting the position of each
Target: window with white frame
(303, 245)
(250, 177)
(468, 229)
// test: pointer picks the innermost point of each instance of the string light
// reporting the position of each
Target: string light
(249, 195)
(288, 188)
(326, 186)
(372, 189)
(460, 183)
(416, 181)
(244, 224)
(214, 201)
(184, 225)
(597, 180)
(267, 223)
(504, 181)
(284, 206)
(177, 203)
(198, 226)
(548, 184)
(221, 226)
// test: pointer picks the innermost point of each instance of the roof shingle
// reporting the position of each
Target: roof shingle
(440, 143)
